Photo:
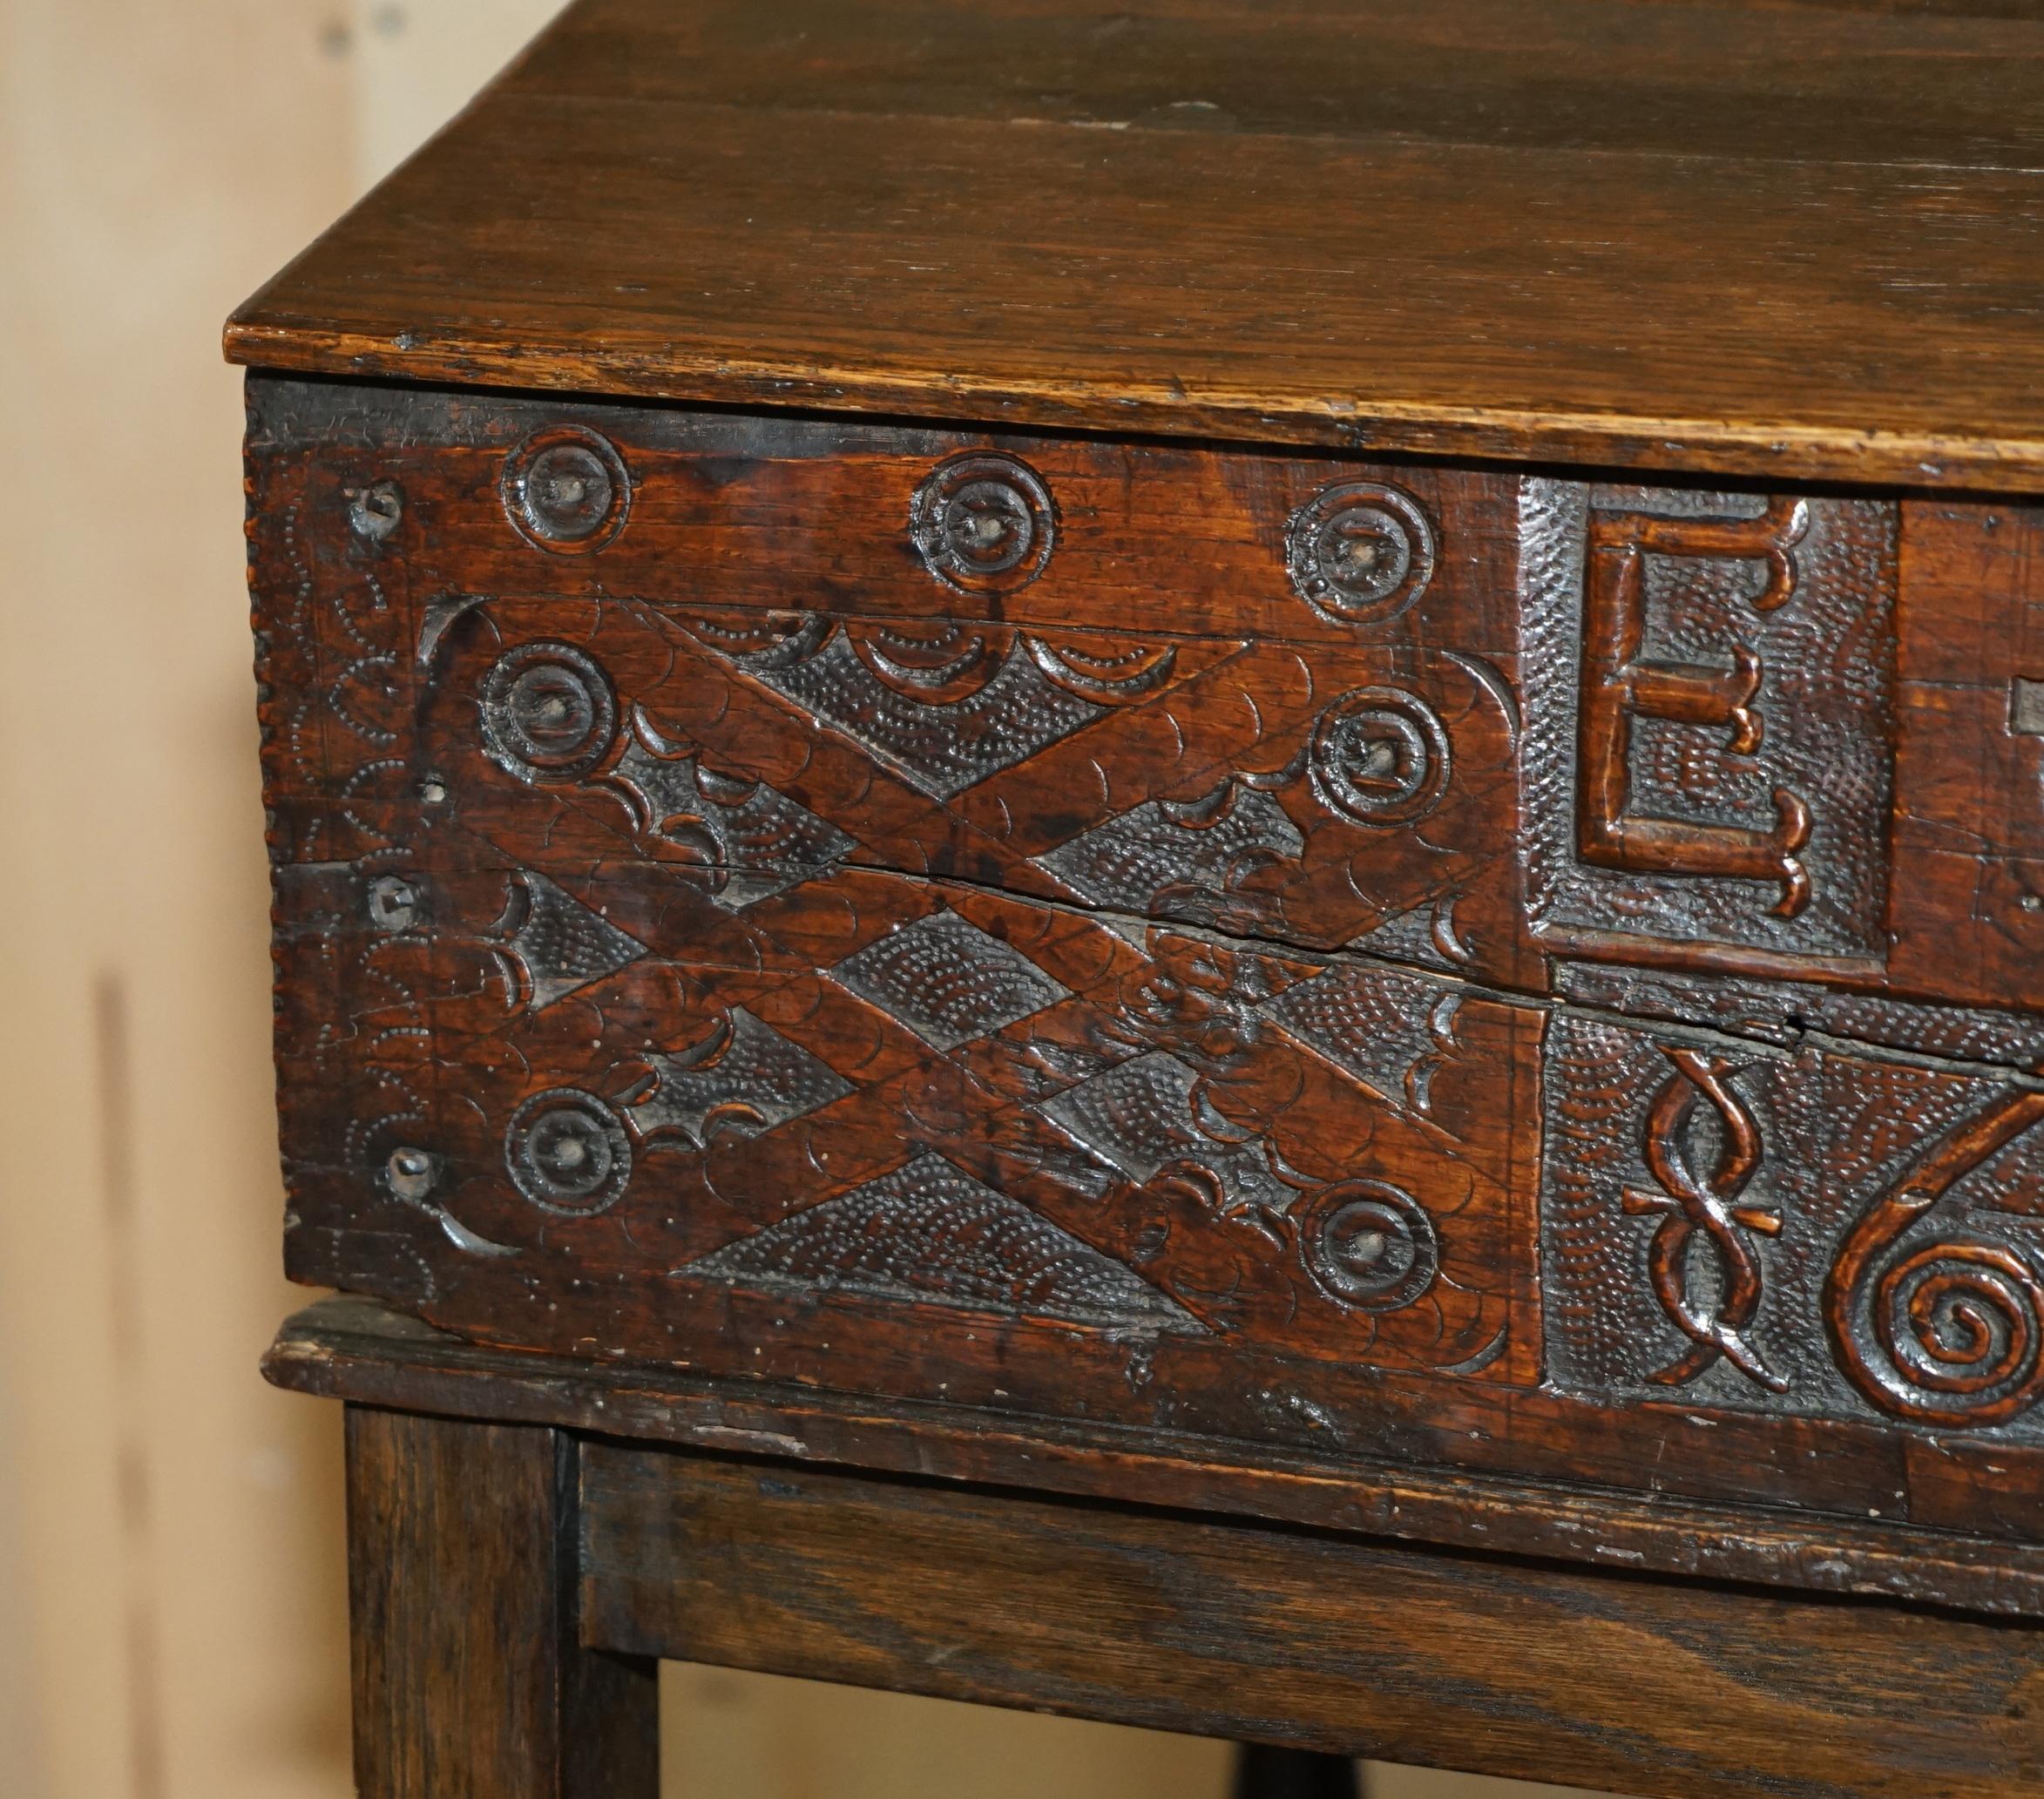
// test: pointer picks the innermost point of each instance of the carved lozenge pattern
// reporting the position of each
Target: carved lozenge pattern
(653, 922)
(1146, 1103)
(929, 1232)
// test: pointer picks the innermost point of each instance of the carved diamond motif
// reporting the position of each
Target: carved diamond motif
(1170, 858)
(1387, 1030)
(1149, 1114)
(941, 747)
(930, 1232)
(559, 945)
(948, 981)
(762, 841)
(745, 1080)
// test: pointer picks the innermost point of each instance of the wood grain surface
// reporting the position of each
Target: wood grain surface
(470, 1678)
(1766, 241)
(1381, 1074)
(1637, 1685)
(1354, 956)
(371, 1354)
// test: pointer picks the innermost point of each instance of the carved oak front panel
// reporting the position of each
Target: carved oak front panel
(1708, 710)
(1829, 1233)
(1414, 962)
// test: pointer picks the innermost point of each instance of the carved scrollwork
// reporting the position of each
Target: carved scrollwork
(1698, 1206)
(983, 523)
(567, 1152)
(1360, 552)
(1379, 755)
(939, 663)
(1369, 1246)
(1941, 1331)
(1111, 677)
(566, 490)
(548, 714)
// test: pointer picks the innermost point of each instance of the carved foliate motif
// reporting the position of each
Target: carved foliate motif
(747, 841)
(551, 944)
(745, 1077)
(1181, 1137)
(1151, 1114)
(785, 990)
(946, 708)
(1197, 860)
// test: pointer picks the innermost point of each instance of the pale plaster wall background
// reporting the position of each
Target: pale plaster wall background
(171, 1608)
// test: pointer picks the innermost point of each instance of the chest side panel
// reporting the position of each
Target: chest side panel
(1424, 962)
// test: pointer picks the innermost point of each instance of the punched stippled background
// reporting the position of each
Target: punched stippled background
(172, 1615)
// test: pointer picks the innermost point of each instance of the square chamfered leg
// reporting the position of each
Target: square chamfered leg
(470, 1681)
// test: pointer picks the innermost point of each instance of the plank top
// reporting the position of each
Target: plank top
(1757, 236)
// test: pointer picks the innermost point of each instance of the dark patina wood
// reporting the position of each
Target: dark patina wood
(1761, 239)
(370, 1354)
(1280, 766)
(1336, 1642)
(472, 1680)
(1403, 1003)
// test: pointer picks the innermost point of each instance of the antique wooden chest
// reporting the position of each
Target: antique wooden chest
(1272, 751)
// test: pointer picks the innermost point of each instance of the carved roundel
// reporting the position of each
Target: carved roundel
(567, 1152)
(1369, 1246)
(566, 490)
(983, 523)
(548, 714)
(1380, 756)
(1963, 1324)
(1359, 552)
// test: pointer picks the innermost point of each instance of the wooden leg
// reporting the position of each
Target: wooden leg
(470, 1681)
(1264, 1773)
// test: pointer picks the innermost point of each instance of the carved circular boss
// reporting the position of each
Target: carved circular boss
(1360, 552)
(548, 712)
(566, 1152)
(566, 490)
(1379, 755)
(983, 523)
(1369, 1246)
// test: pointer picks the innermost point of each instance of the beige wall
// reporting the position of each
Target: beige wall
(175, 1602)
(171, 1614)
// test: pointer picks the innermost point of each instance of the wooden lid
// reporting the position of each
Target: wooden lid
(1758, 237)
